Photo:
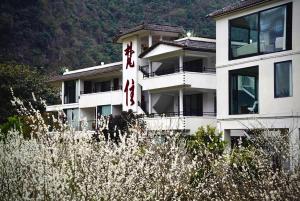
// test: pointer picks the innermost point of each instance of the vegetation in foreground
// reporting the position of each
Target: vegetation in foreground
(68, 165)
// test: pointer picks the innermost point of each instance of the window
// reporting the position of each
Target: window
(104, 110)
(283, 79)
(193, 105)
(244, 36)
(243, 90)
(70, 92)
(102, 86)
(261, 33)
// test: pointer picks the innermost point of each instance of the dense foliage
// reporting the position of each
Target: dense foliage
(24, 81)
(68, 165)
(79, 33)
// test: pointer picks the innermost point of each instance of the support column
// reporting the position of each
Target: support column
(181, 102)
(150, 103)
(160, 37)
(62, 93)
(294, 142)
(96, 118)
(181, 63)
(150, 39)
(150, 68)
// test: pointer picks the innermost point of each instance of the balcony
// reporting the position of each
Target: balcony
(175, 121)
(100, 98)
(194, 77)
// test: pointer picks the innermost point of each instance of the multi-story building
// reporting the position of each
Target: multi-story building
(170, 79)
(258, 67)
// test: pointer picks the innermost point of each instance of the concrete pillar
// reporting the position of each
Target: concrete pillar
(227, 138)
(78, 88)
(96, 118)
(160, 38)
(294, 142)
(180, 63)
(150, 103)
(62, 93)
(150, 39)
(150, 68)
(181, 102)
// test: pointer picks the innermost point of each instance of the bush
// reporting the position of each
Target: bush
(68, 165)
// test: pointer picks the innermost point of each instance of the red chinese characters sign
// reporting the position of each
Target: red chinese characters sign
(129, 88)
(128, 53)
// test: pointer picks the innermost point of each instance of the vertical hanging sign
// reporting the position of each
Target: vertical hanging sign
(130, 72)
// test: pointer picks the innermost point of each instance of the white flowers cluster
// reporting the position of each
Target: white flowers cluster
(68, 165)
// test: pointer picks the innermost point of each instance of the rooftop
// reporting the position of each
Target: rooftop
(88, 72)
(241, 5)
(192, 43)
(150, 27)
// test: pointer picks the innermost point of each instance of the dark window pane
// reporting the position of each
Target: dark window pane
(262, 32)
(244, 91)
(283, 79)
(244, 36)
(273, 30)
(70, 92)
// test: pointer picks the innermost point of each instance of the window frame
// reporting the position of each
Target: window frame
(291, 80)
(289, 30)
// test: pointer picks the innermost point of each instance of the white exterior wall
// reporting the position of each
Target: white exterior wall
(101, 98)
(208, 102)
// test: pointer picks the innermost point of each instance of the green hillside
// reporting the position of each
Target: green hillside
(78, 33)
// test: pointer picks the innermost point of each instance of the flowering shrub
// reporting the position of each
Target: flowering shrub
(68, 165)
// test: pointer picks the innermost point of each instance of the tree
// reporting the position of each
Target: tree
(24, 82)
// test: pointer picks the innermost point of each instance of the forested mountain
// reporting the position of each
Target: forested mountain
(78, 33)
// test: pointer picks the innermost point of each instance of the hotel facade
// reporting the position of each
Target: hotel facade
(168, 79)
(248, 77)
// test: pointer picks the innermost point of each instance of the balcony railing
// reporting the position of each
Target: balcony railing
(177, 114)
(115, 88)
(198, 69)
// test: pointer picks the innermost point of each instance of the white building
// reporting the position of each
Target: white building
(170, 80)
(258, 67)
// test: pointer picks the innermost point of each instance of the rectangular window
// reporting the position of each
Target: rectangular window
(283, 79)
(193, 105)
(70, 92)
(261, 33)
(244, 36)
(243, 90)
(104, 110)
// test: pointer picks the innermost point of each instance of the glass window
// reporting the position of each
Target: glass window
(244, 36)
(104, 110)
(262, 32)
(244, 90)
(283, 79)
(70, 92)
(193, 105)
(272, 30)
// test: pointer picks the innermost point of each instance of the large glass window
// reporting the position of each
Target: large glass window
(243, 90)
(70, 92)
(273, 30)
(283, 79)
(244, 36)
(262, 32)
